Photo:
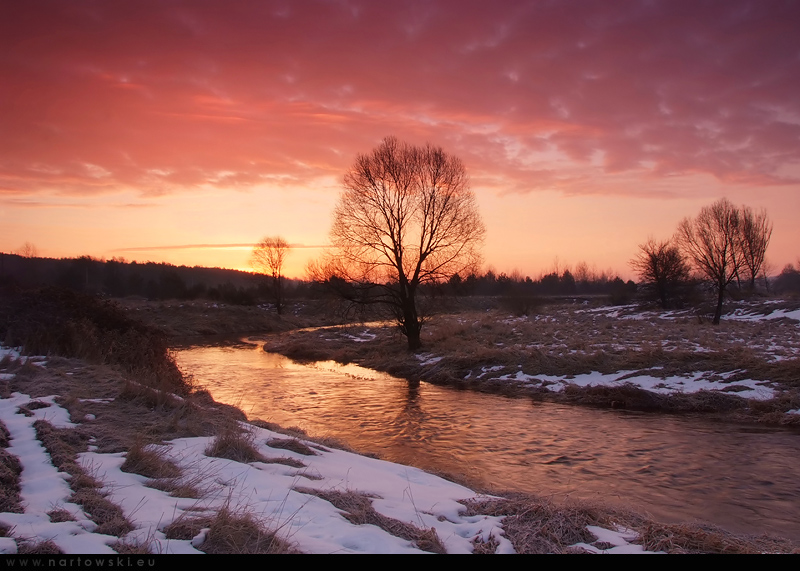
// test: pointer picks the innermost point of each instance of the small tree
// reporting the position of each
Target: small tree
(754, 236)
(662, 269)
(268, 258)
(712, 242)
(406, 217)
(28, 250)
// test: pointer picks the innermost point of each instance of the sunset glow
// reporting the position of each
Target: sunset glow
(185, 131)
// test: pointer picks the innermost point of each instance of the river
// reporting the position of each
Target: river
(676, 468)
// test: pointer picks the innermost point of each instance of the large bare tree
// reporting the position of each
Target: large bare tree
(755, 231)
(268, 258)
(713, 242)
(662, 268)
(406, 217)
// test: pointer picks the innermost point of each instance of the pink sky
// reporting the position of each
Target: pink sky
(132, 126)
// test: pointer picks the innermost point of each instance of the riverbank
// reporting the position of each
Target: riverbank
(747, 369)
(97, 463)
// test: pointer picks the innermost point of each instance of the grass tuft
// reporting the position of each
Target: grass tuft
(38, 548)
(10, 470)
(229, 532)
(149, 462)
(291, 444)
(534, 525)
(60, 515)
(235, 444)
(481, 547)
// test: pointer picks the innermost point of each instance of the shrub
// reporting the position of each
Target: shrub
(54, 321)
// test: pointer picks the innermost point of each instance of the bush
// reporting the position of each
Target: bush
(54, 321)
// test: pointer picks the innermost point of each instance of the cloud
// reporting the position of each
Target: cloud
(207, 247)
(164, 97)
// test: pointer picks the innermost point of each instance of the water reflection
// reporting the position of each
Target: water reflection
(677, 468)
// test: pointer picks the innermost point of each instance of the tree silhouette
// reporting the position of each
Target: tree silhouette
(662, 269)
(406, 217)
(755, 233)
(268, 258)
(713, 242)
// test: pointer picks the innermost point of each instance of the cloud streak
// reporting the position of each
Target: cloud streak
(206, 247)
(579, 97)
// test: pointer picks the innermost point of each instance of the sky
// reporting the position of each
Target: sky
(186, 131)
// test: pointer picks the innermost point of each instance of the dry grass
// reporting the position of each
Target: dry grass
(205, 319)
(291, 444)
(297, 433)
(535, 525)
(63, 445)
(187, 527)
(286, 461)
(357, 509)
(60, 515)
(230, 532)
(142, 412)
(38, 548)
(126, 548)
(108, 516)
(235, 444)
(149, 397)
(693, 538)
(10, 470)
(54, 321)
(179, 487)
(481, 547)
(150, 462)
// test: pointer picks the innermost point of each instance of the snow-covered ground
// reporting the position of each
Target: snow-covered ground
(700, 381)
(769, 343)
(268, 491)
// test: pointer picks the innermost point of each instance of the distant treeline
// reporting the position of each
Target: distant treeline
(553, 284)
(118, 278)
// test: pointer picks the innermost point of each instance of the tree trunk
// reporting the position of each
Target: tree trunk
(414, 342)
(718, 312)
(411, 325)
(278, 294)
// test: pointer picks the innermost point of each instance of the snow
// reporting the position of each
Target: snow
(741, 314)
(744, 315)
(699, 381)
(362, 337)
(428, 359)
(619, 538)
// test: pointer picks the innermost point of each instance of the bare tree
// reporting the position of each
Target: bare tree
(755, 231)
(28, 250)
(267, 258)
(662, 268)
(406, 217)
(712, 241)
